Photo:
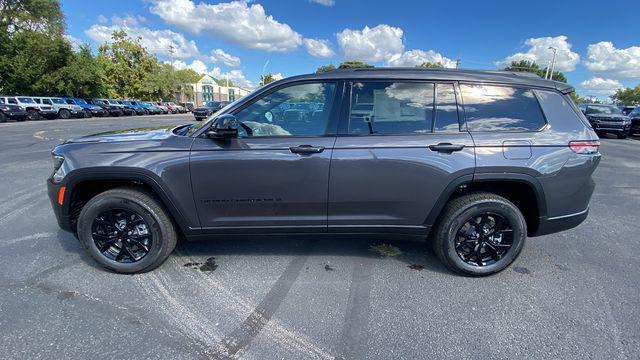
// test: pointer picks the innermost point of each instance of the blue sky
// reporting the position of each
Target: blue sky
(598, 42)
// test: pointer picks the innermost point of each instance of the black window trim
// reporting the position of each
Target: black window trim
(533, 89)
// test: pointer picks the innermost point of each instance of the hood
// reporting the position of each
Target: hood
(150, 133)
(203, 108)
(607, 116)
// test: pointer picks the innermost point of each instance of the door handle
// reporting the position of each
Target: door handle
(306, 149)
(446, 148)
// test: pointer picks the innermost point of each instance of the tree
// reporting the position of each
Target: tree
(628, 96)
(224, 82)
(577, 98)
(531, 67)
(325, 68)
(354, 65)
(431, 65)
(266, 78)
(44, 16)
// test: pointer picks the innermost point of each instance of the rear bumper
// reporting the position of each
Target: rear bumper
(560, 223)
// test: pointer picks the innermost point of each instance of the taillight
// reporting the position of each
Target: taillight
(585, 146)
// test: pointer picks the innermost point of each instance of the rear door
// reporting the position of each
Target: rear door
(274, 176)
(399, 145)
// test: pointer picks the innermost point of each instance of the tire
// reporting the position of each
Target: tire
(87, 113)
(3, 117)
(64, 114)
(33, 115)
(622, 136)
(144, 205)
(456, 217)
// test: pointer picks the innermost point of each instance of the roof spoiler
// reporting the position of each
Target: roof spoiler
(563, 87)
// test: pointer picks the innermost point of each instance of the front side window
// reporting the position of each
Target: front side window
(501, 108)
(391, 108)
(12, 101)
(268, 116)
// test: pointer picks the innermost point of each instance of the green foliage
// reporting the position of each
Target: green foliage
(224, 82)
(628, 96)
(431, 65)
(354, 65)
(266, 78)
(324, 68)
(577, 98)
(531, 67)
(44, 16)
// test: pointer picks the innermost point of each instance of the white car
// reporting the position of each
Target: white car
(64, 110)
(35, 110)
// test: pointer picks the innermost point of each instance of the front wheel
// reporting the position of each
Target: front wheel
(622, 136)
(126, 230)
(33, 115)
(479, 234)
(87, 113)
(64, 114)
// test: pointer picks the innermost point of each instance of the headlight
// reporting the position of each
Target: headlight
(58, 170)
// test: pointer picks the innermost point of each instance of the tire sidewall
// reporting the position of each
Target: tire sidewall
(65, 114)
(3, 117)
(462, 215)
(101, 204)
(31, 115)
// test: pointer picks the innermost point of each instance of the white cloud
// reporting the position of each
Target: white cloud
(540, 53)
(236, 22)
(102, 19)
(324, 2)
(371, 44)
(75, 42)
(235, 76)
(196, 65)
(417, 57)
(220, 57)
(601, 86)
(278, 76)
(155, 41)
(318, 48)
(603, 57)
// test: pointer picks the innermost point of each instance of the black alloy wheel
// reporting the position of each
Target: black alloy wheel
(33, 114)
(64, 114)
(484, 239)
(87, 113)
(121, 235)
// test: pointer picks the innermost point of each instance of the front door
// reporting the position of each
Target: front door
(398, 148)
(274, 176)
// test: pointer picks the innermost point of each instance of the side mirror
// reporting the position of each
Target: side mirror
(224, 126)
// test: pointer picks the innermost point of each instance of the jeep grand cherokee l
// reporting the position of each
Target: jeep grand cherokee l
(476, 161)
(607, 119)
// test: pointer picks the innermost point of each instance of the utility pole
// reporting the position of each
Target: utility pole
(171, 50)
(553, 62)
(457, 63)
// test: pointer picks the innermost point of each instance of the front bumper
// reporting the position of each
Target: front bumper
(48, 114)
(614, 127)
(16, 115)
(64, 221)
(98, 112)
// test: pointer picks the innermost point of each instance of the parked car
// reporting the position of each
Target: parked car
(626, 109)
(126, 110)
(110, 108)
(188, 106)
(89, 109)
(12, 112)
(34, 110)
(151, 108)
(132, 104)
(64, 110)
(634, 117)
(179, 108)
(607, 119)
(166, 108)
(414, 168)
(207, 109)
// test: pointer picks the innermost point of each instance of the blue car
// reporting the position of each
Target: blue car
(89, 109)
(136, 106)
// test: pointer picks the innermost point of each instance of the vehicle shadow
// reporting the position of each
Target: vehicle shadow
(413, 252)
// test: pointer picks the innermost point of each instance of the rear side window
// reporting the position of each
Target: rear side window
(501, 108)
(391, 108)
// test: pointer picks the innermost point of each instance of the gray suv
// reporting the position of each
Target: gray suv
(475, 161)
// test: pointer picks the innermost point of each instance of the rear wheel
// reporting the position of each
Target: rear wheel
(126, 230)
(64, 114)
(87, 113)
(479, 234)
(33, 114)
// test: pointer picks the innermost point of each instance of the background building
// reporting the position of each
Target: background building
(209, 89)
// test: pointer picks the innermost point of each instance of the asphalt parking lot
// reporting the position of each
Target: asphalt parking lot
(570, 295)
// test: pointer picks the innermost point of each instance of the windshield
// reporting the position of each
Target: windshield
(26, 100)
(212, 104)
(80, 101)
(58, 101)
(113, 102)
(603, 110)
(100, 102)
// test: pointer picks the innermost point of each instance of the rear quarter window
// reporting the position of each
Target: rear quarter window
(501, 108)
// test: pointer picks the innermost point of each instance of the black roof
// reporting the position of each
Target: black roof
(483, 76)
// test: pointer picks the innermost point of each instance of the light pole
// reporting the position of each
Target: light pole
(553, 61)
